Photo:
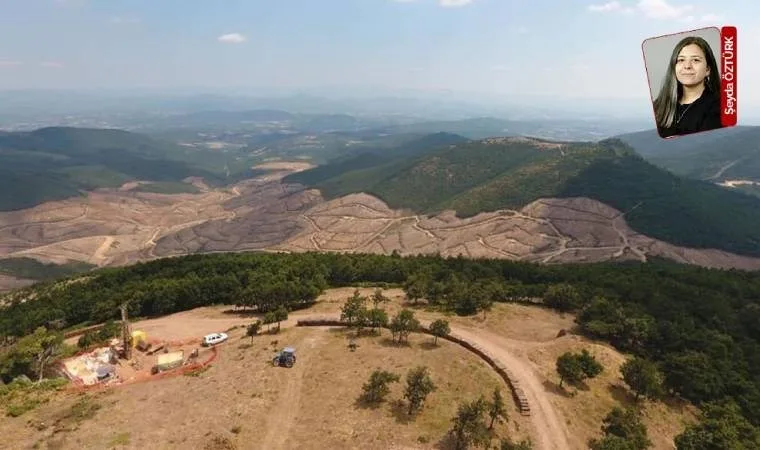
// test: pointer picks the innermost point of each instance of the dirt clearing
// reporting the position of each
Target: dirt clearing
(243, 400)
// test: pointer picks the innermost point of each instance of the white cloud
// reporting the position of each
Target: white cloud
(609, 6)
(661, 9)
(52, 64)
(520, 30)
(658, 10)
(10, 63)
(231, 38)
(454, 3)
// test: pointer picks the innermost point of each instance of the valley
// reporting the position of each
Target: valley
(117, 227)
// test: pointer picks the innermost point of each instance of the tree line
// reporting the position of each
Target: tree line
(700, 327)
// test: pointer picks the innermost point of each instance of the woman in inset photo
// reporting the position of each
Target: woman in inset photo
(689, 100)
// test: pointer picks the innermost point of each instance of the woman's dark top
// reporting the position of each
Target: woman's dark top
(701, 115)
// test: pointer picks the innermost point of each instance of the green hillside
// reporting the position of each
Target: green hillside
(366, 157)
(478, 176)
(725, 154)
(32, 269)
(57, 163)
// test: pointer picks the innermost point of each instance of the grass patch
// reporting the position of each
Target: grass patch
(120, 439)
(22, 396)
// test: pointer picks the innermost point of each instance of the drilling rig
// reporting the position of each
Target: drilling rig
(126, 332)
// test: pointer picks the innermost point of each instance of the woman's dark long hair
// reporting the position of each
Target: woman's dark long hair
(667, 100)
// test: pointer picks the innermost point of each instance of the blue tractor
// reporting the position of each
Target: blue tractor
(286, 358)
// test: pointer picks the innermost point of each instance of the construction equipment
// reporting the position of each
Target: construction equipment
(126, 334)
(160, 346)
(286, 357)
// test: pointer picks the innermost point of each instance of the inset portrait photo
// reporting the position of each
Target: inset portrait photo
(684, 72)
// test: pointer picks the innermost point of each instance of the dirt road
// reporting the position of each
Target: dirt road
(548, 426)
(284, 414)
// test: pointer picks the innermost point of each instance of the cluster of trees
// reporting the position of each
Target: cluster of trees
(32, 355)
(623, 430)
(699, 327)
(576, 367)
(92, 338)
(474, 420)
(357, 314)
(419, 385)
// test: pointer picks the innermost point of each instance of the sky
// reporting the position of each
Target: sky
(571, 49)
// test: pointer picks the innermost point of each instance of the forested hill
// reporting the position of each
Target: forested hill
(508, 173)
(701, 327)
(59, 162)
(726, 154)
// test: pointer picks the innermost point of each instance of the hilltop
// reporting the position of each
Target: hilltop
(509, 173)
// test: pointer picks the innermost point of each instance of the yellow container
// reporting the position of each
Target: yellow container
(137, 336)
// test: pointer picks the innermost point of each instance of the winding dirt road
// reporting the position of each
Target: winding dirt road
(548, 426)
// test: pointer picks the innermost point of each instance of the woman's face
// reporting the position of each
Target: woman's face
(691, 65)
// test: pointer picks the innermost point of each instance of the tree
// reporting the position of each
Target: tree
(507, 444)
(404, 323)
(417, 285)
(110, 329)
(253, 329)
(418, 386)
(468, 425)
(562, 297)
(721, 426)
(45, 347)
(575, 367)
(611, 442)
(31, 354)
(642, 377)
(280, 314)
(497, 410)
(269, 318)
(354, 311)
(377, 318)
(439, 328)
(590, 366)
(87, 339)
(375, 390)
(378, 298)
(569, 369)
(622, 430)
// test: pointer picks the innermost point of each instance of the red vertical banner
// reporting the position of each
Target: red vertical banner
(728, 84)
